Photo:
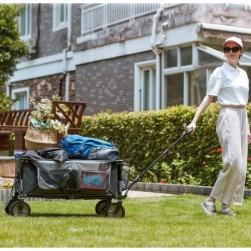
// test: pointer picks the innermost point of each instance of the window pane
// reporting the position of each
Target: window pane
(66, 12)
(174, 89)
(197, 86)
(146, 90)
(206, 59)
(21, 102)
(153, 91)
(61, 15)
(28, 19)
(24, 21)
(186, 56)
(171, 58)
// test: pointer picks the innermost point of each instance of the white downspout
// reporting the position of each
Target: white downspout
(154, 26)
(7, 88)
(67, 77)
(158, 53)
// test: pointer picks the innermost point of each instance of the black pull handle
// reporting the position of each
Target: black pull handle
(187, 131)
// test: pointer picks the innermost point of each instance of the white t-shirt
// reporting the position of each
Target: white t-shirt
(230, 85)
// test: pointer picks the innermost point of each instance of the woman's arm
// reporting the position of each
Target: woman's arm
(203, 106)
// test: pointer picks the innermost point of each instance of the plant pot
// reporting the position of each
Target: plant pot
(7, 167)
(40, 139)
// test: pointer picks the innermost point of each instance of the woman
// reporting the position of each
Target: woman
(231, 86)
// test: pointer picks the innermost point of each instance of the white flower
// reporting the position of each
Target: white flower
(42, 117)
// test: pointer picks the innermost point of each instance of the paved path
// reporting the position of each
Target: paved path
(132, 193)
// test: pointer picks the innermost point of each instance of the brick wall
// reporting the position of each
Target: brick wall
(109, 84)
(50, 42)
(47, 86)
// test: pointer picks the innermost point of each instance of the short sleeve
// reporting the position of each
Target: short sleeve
(214, 83)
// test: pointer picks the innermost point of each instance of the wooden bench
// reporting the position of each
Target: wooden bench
(17, 122)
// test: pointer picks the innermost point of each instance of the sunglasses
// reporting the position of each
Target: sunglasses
(234, 49)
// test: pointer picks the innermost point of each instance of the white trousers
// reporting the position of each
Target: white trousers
(232, 129)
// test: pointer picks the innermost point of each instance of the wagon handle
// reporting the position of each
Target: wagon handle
(186, 132)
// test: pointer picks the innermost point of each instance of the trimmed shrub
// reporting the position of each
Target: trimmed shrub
(143, 136)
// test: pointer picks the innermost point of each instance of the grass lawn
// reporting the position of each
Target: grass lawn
(166, 221)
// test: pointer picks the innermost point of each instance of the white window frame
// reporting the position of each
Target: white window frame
(179, 67)
(14, 94)
(188, 68)
(28, 23)
(177, 70)
(139, 69)
(57, 24)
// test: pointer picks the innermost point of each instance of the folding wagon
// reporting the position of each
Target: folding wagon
(72, 179)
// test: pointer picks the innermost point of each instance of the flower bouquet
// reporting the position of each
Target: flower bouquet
(43, 129)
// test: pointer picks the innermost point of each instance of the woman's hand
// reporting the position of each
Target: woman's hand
(192, 127)
(203, 106)
(249, 138)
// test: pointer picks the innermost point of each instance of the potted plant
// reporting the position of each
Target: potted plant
(43, 129)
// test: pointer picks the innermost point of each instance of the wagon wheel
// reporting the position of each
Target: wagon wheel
(115, 210)
(8, 205)
(101, 206)
(20, 208)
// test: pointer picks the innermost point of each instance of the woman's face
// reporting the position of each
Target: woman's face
(231, 54)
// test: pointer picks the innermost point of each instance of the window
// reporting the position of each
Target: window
(186, 73)
(174, 90)
(197, 86)
(178, 57)
(184, 77)
(187, 88)
(148, 90)
(60, 16)
(25, 22)
(186, 56)
(145, 90)
(171, 59)
(207, 59)
(21, 98)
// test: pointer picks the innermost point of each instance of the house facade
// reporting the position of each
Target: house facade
(125, 57)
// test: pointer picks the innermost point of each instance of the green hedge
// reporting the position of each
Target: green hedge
(142, 136)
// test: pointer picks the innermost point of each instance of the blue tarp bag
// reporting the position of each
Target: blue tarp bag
(79, 147)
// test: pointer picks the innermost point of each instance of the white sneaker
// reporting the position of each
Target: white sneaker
(209, 208)
(227, 211)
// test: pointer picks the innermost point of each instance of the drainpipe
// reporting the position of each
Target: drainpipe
(158, 52)
(67, 74)
(154, 26)
(7, 88)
